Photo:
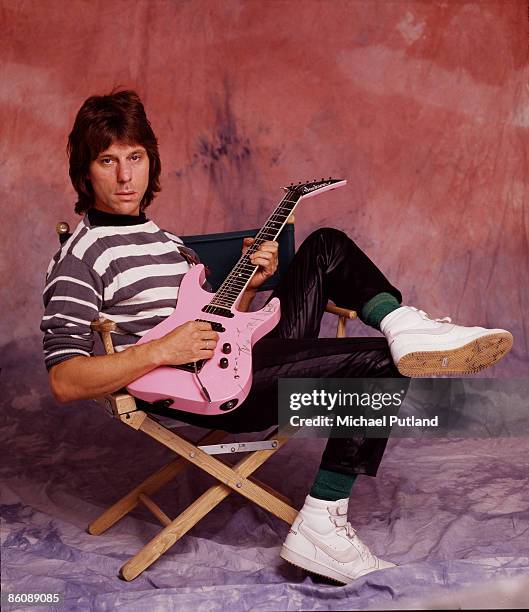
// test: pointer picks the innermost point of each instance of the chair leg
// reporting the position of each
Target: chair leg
(180, 526)
(236, 479)
(270, 490)
(173, 532)
(149, 486)
(340, 330)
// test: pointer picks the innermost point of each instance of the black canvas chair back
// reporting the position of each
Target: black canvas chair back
(220, 252)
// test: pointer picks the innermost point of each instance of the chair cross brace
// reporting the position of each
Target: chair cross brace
(238, 447)
(231, 478)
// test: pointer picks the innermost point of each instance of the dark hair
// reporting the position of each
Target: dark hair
(102, 120)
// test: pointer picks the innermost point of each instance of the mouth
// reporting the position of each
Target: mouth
(125, 194)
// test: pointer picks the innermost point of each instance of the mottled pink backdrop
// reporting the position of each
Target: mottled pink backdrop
(422, 106)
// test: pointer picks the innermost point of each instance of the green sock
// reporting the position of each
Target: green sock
(332, 486)
(377, 308)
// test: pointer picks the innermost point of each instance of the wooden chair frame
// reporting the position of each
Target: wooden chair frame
(238, 477)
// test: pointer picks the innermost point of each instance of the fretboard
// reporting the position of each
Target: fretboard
(236, 281)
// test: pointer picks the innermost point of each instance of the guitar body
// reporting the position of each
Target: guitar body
(227, 387)
(220, 384)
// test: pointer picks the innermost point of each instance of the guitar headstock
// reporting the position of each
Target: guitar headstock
(310, 188)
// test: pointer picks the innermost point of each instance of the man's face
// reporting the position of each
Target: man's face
(120, 176)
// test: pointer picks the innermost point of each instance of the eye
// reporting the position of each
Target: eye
(136, 156)
(106, 161)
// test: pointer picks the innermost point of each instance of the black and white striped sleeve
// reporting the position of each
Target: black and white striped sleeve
(72, 300)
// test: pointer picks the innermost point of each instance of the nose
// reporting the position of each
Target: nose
(124, 171)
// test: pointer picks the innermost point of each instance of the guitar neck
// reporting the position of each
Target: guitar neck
(237, 280)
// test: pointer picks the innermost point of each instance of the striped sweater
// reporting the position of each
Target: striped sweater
(128, 273)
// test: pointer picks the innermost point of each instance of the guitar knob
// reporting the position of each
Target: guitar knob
(226, 348)
(229, 404)
(223, 363)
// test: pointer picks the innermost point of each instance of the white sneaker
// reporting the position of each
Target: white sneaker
(322, 541)
(421, 346)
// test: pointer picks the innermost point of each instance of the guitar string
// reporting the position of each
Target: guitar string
(233, 285)
(243, 266)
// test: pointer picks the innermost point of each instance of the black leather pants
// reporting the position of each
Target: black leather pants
(327, 265)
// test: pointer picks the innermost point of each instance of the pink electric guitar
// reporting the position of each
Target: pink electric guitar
(218, 385)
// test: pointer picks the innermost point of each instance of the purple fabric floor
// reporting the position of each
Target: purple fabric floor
(451, 513)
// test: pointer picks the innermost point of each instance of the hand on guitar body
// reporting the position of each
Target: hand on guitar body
(196, 340)
(187, 343)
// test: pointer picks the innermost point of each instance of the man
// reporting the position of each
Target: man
(121, 265)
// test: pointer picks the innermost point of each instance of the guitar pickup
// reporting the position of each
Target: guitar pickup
(218, 310)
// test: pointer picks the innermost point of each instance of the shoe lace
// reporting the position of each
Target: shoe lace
(426, 316)
(341, 523)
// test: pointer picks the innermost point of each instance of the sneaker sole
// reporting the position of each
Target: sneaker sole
(317, 568)
(467, 359)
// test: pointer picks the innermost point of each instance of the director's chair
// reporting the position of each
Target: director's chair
(224, 250)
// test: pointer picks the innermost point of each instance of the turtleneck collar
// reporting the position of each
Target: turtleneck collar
(99, 217)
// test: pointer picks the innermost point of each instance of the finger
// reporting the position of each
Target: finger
(267, 250)
(264, 264)
(266, 270)
(211, 338)
(246, 243)
(270, 245)
(206, 344)
(202, 326)
(264, 267)
(262, 255)
(203, 354)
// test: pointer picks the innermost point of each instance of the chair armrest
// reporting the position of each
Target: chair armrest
(118, 404)
(341, 312)
(122, 406)
(103, 327)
